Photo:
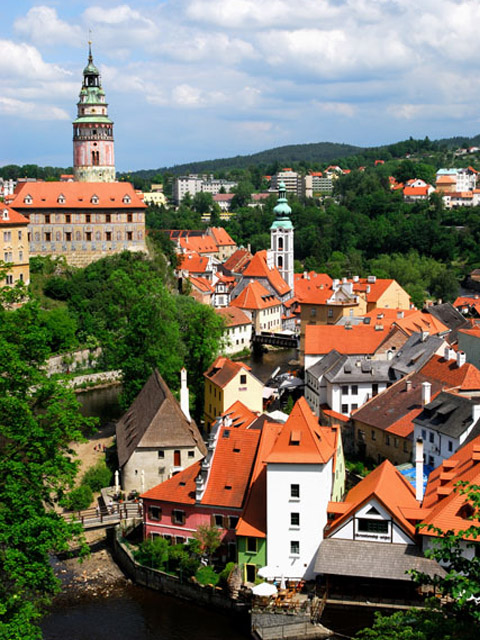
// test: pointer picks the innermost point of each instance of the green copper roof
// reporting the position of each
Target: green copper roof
(282, 209)
(282, 224)
(94, 118)
(90, 69)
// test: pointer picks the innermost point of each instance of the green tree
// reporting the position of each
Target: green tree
(39, 418)
(209, 540)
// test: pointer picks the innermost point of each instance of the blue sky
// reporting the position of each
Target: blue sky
(199, 79)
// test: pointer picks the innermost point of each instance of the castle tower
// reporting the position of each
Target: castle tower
(93, 155)
(281, 237)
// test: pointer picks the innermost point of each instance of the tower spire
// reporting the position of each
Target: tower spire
(281, 237)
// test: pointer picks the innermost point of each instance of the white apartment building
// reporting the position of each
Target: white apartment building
(194, 184)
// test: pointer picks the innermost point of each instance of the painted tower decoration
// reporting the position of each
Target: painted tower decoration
(93, 155)
(281, 234)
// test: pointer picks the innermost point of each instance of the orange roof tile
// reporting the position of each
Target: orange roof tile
(77, 195)
(240, 415)
(389, 487)
(11, 216)
(233, 316)
(421, 321)
(238, 260)
(358, 339)
(315, 288)
(223, 370)
(258, 268)
(375, 289)
(255, 296)
(180, 488)
(221, 237)
(302, 440)
(404, 426)
(466, 377)
(202, 284)
(193, 263)
(416, 191)
(199, 244)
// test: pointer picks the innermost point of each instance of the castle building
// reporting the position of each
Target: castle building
(93, 153)
(92, 216)
(281, 236)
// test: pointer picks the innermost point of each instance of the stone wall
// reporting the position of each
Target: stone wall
(72, 361)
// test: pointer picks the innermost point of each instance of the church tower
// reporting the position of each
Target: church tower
(281, 235)
(93, 155)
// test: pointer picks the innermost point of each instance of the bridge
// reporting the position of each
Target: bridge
(276, 340)
(104, 517)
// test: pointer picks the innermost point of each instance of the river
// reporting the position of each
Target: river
(140, 614)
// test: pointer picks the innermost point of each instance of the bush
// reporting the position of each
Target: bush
(206, 575)
(57, 288)
(153, 553)
(225, 573)
(181, 562)
(78, 499)
(97, 477)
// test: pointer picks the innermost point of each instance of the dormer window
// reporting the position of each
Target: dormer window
(126, 200)
(94, 199)
(5, 214)
(61, 199)
(28, 199)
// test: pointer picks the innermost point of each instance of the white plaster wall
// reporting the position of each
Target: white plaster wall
(315, 490)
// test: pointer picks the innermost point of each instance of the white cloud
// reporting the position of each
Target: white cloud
(120, 28)
(24, 61)
(42, 26)
(31, 110)
(341, 108)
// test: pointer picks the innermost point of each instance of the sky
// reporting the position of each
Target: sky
(200, 79)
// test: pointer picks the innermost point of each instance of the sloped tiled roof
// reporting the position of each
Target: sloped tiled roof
(202, 284)
(156, 420)
(358, 339)
(373, 290)
(193, 263)
(421, 321)
(240, 415)
(256, 297)
(221, 237)
(389, 487)
(199, 244)
(237, 261)
(77, 195)
(233, 316)
(258, 268)
(302, 440)
(12, 217)
(179, 489)
(312, 287)
(223, 370)
(466, 377)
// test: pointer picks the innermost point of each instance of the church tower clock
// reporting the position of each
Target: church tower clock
(93, 154)
(281, 237)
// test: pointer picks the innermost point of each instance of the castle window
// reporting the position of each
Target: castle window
(61, 199)
(108, 236)
(88, 236)
(88, 218)
(94, 199)
(108, 217)
(129, 217)
(48, 237)
(47, 218)
(280, 262)
(126, 199)
(280, 243)
(68, 236)
(68, 218)
(129, 235)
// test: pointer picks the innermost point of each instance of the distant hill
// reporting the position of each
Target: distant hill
(314, 152)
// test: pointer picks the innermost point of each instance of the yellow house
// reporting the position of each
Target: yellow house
(14, 245)
(225, 383)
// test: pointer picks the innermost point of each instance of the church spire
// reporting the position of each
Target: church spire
(93, 151)
(281, 237)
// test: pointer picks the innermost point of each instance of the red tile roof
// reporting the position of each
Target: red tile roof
(315, 288)
(375, 289)
(416, 191)
(193, 263)
(77, 195)
(11, 216)
(256, 297)
(202, 284)
(233, 316)
(389, 487)
(258, 268)
(199, 244)
(240, 416)
(466, 377)
(224, 370)
(221, 237)
(302, 440)
(238, 260)
(421, 321)
(358, 339)
(180, 488)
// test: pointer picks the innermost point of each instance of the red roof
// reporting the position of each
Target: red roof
(77, 195)
(240, 415)
(416, 191)
(180, 488)
(312, 288)
(223, 370)
(466, 377)
(202, 284)
(372, 290)
(302, 440)
(237, 261)
(233, 316)
(358, 339)
(9, 216)
(200, 244)
(421, 321)
(258, 268)
(389, 487)
(193, 263)
(255, 296)
(221, 237)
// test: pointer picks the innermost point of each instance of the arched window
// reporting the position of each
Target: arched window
(280, 243)
(280, 262)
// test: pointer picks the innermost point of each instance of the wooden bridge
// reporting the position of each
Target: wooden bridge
(103, 517)
(276, 340)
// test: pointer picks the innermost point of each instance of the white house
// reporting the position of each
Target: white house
(238, 329)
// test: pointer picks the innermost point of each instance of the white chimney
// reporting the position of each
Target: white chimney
(419, 470)
(426, 393)
(184, 399)
(400, 314)
(424, 336)
(446, 353)
(461, 358)
(355, 278)
(408, 386)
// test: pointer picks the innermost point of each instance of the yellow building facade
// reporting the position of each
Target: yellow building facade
(14, 246)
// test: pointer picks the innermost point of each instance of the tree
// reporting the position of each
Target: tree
(457, 614)
(209, 540)
(39, 418)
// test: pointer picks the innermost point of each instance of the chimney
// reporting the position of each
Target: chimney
(419, 470)
(408, 386)
(368, 288)
(461, 358)
(355, 278)
(184, 400)
(449, 353)
(400, 315)
(424, 335)
(426, 393)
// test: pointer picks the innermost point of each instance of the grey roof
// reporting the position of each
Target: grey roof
(415, 353)
(155, 420)
(451, 317)
(372, 560)
(449, 414)
(354, 369)
(322, 366)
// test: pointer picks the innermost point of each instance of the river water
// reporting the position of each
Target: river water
(140, 614)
